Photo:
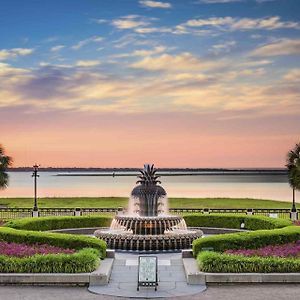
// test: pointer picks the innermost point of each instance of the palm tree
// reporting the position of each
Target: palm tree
(5, 162)
(293, 166)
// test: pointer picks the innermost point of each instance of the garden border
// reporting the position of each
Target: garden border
(98, 277)
(194, 276)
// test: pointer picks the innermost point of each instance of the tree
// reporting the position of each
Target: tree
(293, 166)
(5, 162)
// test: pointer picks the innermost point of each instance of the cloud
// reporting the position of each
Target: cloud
(8, 70)
(142, 52)
(181, 62)
(129, 22)
(229, 1)
(155, 4)
(93, 39)
(57, 48)
(293, 75)
(230, 23)
(218, 1)
(87, 63)
(145, 30)
(15, 52)
(280, 47)
(224, 47)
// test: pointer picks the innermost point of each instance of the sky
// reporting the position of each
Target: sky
(120, 83)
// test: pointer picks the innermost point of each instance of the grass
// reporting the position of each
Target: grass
(65, 202)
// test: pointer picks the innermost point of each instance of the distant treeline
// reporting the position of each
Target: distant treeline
(184, 170)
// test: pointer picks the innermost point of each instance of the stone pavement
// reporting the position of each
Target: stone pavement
(123, 280)
(219, 292)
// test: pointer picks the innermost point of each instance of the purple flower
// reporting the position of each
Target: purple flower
(22, 250)
(291, 250)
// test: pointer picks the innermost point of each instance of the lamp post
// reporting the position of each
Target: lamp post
(294, 213)
(35, 175)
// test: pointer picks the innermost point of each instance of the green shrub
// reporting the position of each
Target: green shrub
(52, 223)
(56, 239)
(86, 260)
(234, 221)
(214, 262)
(247, 240)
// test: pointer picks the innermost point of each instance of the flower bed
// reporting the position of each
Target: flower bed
(214, 262)
(227, 249)
(22, 250)
(248, 240)
(86, 258)
(288, 250)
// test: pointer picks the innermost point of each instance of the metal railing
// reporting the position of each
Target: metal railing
(283, 213)
(12, 213)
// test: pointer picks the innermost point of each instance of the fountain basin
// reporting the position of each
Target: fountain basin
(171, 241)
(141, 233)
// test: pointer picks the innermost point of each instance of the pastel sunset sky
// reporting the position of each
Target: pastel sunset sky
(117, 83)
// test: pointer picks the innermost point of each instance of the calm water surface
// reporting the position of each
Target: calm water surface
(251, 186)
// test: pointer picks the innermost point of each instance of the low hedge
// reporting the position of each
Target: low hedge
(86, 260)
(56, 239)
(234, 221)
(247, 240)
(214, 262)
(52, 223)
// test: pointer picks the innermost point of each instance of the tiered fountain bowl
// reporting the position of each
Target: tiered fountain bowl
(147, 225)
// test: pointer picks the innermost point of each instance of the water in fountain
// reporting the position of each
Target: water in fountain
(147, 225)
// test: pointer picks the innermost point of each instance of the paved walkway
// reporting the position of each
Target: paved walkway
(172, 281)
(221, 292)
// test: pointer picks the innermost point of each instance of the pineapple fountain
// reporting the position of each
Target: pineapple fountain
(147, 226)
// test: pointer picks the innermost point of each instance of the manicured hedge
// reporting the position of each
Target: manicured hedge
(25, 231)
(247, 240)
(214, 262)
(234, 221)
(52, 223)
(86, 260)
(56, 239)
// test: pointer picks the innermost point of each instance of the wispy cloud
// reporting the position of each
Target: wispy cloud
(280, 47)
(15, 52)
(129, 22)
(230, 23)
(87, 63)
(230, 1)
(218, 1)
(93, 39)
(142, 52)
(181, 62)
(223, 47)
(57, 48)
(292, 75)
(155, 4)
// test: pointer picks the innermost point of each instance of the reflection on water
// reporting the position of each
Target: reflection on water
(251, 186)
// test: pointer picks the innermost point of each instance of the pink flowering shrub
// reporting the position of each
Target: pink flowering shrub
(23, 250)
(291, 250)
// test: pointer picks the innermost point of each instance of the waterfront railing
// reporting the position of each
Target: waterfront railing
(13, 213)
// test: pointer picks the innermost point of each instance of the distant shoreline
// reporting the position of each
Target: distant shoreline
(161, 171)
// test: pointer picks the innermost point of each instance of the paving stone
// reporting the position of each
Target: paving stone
(123, 280)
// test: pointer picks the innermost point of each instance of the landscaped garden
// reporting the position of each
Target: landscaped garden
(272, 247)
(29, 251)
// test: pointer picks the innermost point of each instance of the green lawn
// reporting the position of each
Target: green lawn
(123, 201)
